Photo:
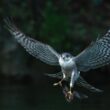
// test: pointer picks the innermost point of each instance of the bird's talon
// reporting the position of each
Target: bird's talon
(69, 96)
(69, 92)
(60, 84)
(56, 84)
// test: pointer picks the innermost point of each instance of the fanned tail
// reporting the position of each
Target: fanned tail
(81, 82)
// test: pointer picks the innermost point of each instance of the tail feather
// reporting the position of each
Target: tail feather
(55, 75)
(81, 82)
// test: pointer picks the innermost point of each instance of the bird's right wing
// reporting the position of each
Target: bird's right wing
(37, 49)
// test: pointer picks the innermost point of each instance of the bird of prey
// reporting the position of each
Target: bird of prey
(96, 55)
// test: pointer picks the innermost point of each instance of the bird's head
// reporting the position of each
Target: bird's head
(66, 56)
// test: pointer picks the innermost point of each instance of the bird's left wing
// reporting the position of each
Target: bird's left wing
(96, 55)
(37, 49)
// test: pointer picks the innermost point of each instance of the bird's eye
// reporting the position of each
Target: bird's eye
(67, 56)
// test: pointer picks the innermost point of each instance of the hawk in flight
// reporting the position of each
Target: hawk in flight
(96, 55)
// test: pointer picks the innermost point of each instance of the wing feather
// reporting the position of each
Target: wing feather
(37, 49)
(96, 55)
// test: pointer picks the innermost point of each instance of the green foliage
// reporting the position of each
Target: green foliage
(54, 26)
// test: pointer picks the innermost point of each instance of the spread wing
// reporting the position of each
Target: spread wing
(37, 49)
(96, 55)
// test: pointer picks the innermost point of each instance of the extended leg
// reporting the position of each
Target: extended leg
(70, 94)
(60, 82)
(74, 76)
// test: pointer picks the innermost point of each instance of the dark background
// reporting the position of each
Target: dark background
(66, 25)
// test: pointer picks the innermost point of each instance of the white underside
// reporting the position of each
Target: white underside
(69, 70)
(66, 64)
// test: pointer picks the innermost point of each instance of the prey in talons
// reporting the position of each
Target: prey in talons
(69, 95)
